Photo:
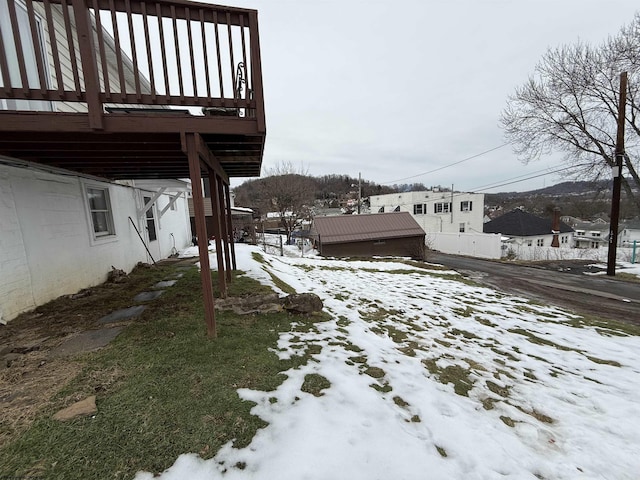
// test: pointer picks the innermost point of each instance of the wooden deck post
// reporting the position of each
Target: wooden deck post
(216, 210)
(224, 227)
(89, 65)
(227, 195)
(201, 232)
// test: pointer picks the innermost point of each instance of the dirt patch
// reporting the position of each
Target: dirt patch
(39, 349)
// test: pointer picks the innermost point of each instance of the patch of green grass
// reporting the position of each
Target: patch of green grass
(454, 374)
(399, 401)
(497, 389)
(375, 372)
(441, 451)
(604, 362)
(258, 257)
(464, 333)
(508, 421)
(384, 388)
(176, 392)
(314, 384)
(281, 284)
(541, 341)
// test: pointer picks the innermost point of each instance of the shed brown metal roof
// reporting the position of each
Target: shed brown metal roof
(356, 228)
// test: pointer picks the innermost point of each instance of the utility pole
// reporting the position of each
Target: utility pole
(617, 178)
(359, 191)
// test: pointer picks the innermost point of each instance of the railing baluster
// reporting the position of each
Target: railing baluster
(118, 49)
(18, 45)
(244, 61)
(72, 49)
(220, 77)
(177, 46)
(35, 38)
(187, 14)
(4, 69)
(54, 49)
(256, 71)
(164, 53)
(205, 55)
(231, 60)
(103, 56)
(145, 21)
(118, 60)
(134, 53)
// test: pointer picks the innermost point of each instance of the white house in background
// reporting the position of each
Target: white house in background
(61, 231)
(452, 220)
(436, 211)
(525, 230)
(629, 232)
(591, 234)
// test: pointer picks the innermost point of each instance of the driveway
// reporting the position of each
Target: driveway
(570, 284)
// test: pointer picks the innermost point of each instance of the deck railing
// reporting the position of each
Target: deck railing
(129, 52)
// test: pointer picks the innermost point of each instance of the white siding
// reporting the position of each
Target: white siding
(48, 248)
(431, 222)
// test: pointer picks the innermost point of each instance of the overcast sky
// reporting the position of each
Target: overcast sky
(397, 88)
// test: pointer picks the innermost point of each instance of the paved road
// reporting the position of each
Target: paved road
(604, 297)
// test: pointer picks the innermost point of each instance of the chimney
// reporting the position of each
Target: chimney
(555, 228)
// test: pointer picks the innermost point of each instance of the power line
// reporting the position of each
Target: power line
(449, 165)
(513, 180)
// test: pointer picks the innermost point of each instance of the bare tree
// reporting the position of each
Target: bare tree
(290, 193)
(570, 104)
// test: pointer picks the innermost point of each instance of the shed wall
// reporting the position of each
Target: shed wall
(403, 247)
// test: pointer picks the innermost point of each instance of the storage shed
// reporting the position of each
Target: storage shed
(386, 234)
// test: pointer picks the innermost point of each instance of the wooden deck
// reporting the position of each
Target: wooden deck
(127, 89)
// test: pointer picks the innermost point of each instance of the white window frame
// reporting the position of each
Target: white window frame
(419, 209)
(442, 207)
(110, 234)
(540, 242)
(466, 206)
(462, 227)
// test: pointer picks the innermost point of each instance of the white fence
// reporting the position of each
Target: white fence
(521, 252)
(481, 245)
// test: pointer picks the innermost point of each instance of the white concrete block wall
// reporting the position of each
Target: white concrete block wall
(47, 243)
(15, 279)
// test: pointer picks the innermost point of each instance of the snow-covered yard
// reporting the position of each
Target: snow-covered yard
(424, 376)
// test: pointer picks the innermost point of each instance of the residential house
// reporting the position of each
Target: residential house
(523, 229)
(629, 234)
(436, 211)
(389, 234)
(90, 107)
(591, 234)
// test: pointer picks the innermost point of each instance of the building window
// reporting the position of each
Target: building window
(100, 209)
(151, 221)
(397, 209)
(418, 209)
(564, 239)
(466, 206)
(462, 228)
(381, 210)
(540, 242)
(442, 207)
(529, 243)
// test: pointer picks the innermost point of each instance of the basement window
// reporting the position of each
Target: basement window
(100, 210)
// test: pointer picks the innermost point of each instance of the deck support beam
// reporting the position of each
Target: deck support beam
(217, 212)
(227, 195)
(224, 226)
(201, 233)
